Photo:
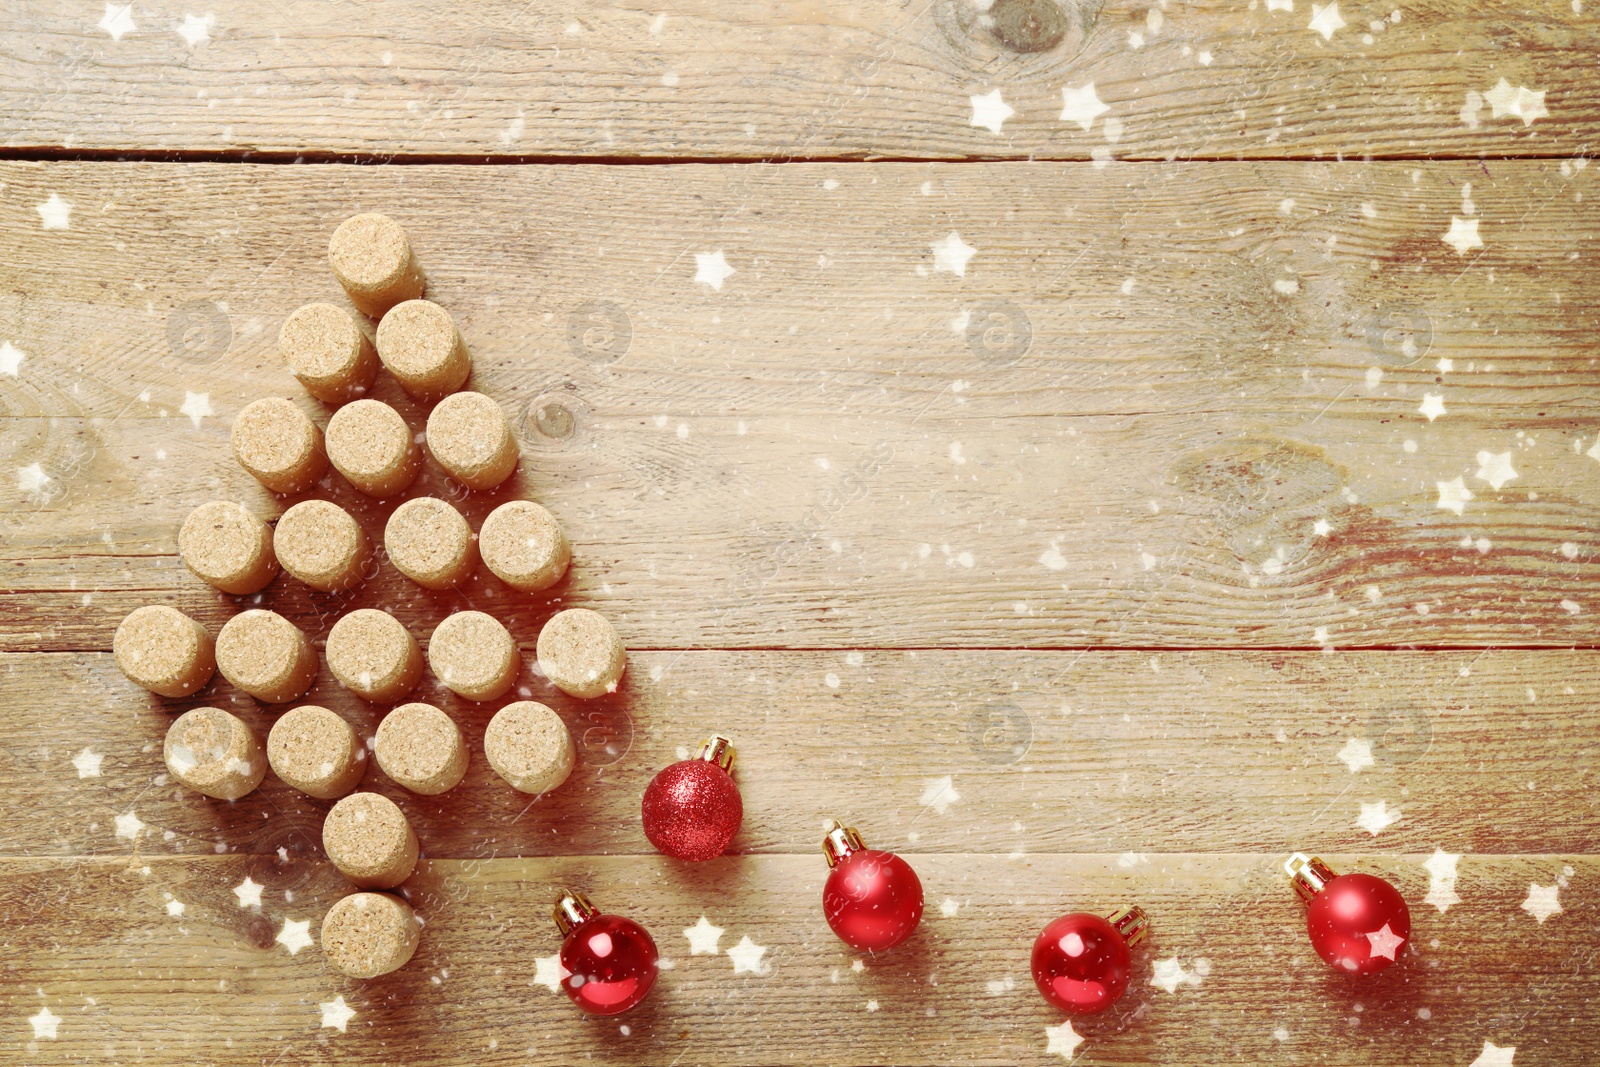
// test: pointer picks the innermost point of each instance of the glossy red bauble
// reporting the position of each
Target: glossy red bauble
(1357, 922)
(872, 899)
(1081, 962)
(610, 962)
(692, 809)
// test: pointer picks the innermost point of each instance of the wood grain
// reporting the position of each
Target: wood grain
(134, 984)
(824, 79)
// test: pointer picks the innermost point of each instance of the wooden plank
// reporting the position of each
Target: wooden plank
(821, 79)
(934, 750)
(820, 457)
(133, 983)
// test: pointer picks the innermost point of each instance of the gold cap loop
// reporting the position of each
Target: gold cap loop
(1309, 874)
(1131, 922)
(840, 842)
(719, 750)
(572, 910)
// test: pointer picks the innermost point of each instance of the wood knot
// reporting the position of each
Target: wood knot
(1053, 30)
(1029, 25)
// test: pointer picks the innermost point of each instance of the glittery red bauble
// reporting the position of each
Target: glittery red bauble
(1081, 963)
(692, 810)
(872, 899)
(610, 963)
(1359, 923)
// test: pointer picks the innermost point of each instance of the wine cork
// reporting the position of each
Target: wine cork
(469, 435)
(529, 746)
(524, 546)
(430, 543)
(214, 753)
(372, 259)
(164, 651)
(474, 655)
(365, 935)
(581, 653)
(279, 445)
(316, 752)
(267, 656)
(374, 656)
(327, 352)
(419, 343)
(322, 545)
(421, 748)
(371, 446)
(367, 837)
(224, 544)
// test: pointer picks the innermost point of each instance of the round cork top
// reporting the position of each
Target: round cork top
(367, 439)
(369, 252)
(225, 544)
(367, 837)
(469, 652)
(469, 436)
(259, 649)
(214, 753)
(579, 650)
(312, 749)
(322, 346)
(523, 545)
(430, 542)
(529, 746)
(277, 443)
(416, 339)
(365, 935)
(160, 648)
(370, 651)
(421, 747)
(320, 543)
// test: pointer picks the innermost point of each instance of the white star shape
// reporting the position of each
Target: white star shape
(949, 908)
(1495, 468)
(295, 935)
(1594, 450)
(1168, 974)
(337, 1014)
(1384, 942)
(746, 956)
(1441, 867)
(1432, 405)
(11, 358)
(55, 213)
(32, 478)
(1325, 20)
(1453, 495)
(1462, 235)
(1542, 902)
(175, 908)
(549, 973)
(1357, 754)
(939, 794)
(711, 268)
(1375, 818)
(1082, 105)
(45, 1023)
(248, 892)
(1280, 5)
(990, 111)
(1322, 527)
(197, 406)
(951, 253)
(197, 28)
(1063, 1040)
(117, 20)
(1521, 102)
(703, 937)
(129, 826)
(1494, 1056)
(88, 763)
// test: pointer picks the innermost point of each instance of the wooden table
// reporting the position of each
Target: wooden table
(1094, 449)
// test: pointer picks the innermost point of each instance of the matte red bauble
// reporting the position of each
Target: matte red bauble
(1357, 922)
(610, 962)
(692, 809)
(872, 899)
(1081, 961)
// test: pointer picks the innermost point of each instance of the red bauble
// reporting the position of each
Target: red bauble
(872, 899)
(1081, 961)
(610, 962)
(692, 809)
(1357, 922)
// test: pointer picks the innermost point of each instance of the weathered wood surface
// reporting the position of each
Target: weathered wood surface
(932, 750)
(815, 455)
(132, 983)
(818, 79)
